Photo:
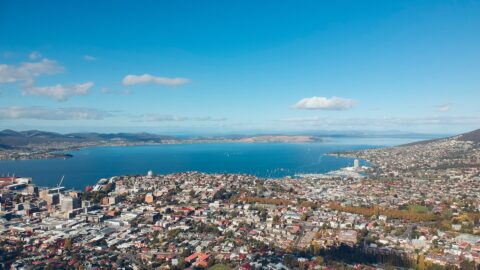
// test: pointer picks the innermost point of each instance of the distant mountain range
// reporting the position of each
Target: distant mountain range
(10, 139)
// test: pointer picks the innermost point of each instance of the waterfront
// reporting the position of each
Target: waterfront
(260, 159)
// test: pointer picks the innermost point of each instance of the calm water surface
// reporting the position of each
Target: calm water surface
(261, 159)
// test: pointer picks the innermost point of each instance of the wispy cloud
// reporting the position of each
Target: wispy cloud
(443, 108)
(43, 113)
(324, 103)
(34, 55)
(115, 92)
(89, 58)
(7, 54)
(26, 72)
(147, 78)
(59, 92)
(153, 117)
(384, 122)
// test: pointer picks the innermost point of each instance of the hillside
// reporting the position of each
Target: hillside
(36, 139)
(10, 139)
(473, 136)
(426, 158)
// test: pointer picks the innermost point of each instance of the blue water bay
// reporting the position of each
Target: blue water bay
(261, 159)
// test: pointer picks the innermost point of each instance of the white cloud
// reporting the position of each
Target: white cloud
(27, 71)
(443, 108)
(323, 103)
(34, 55)
(89, 58)
(42, 113)
(59, 92)
(44, 67)
(147, 78)
(9, 74)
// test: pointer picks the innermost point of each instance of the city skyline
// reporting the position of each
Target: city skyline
(216, 67)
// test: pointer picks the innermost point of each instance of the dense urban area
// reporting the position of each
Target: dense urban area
(416, 207)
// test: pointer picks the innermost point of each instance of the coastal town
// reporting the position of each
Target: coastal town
(36, 144)
(240, 135)
(416, 207)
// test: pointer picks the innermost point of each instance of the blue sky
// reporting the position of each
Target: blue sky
(240, 66)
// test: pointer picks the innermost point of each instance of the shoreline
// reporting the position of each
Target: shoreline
(65, 153)
(89, 174)
(51, 151)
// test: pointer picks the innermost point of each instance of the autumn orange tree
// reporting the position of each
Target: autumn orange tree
(390, 213)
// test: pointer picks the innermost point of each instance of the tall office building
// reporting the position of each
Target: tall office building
(70, 203)
(356, 164)
(53, 199)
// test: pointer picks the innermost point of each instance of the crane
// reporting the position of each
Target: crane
(60, 183)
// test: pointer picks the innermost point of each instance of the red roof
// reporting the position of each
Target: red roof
(203, 256)
(191, 257)
(246, 266)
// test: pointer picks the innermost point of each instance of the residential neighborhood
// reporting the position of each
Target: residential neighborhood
(392, 214)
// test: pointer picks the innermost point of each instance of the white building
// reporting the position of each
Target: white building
(356, 164)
